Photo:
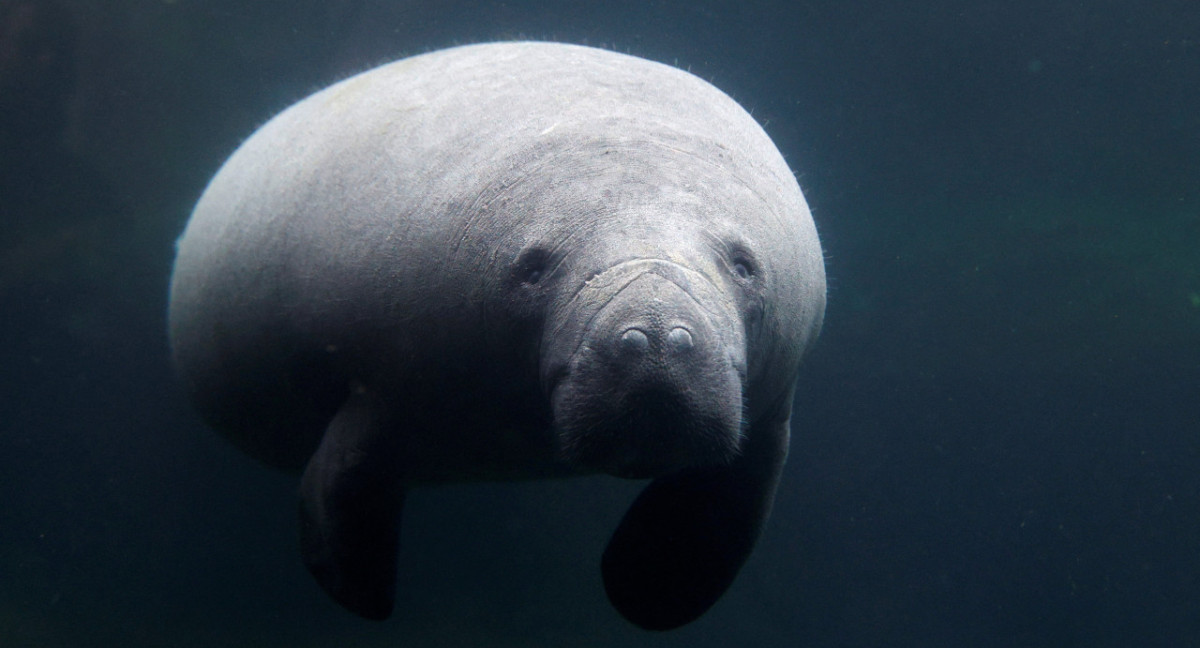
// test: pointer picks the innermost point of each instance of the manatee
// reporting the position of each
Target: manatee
(508, 261)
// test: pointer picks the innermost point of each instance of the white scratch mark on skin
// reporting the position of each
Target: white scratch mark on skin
(550, 128)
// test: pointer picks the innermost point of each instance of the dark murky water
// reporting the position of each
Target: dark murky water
(997, 440)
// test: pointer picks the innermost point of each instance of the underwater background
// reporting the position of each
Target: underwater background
(997, 438)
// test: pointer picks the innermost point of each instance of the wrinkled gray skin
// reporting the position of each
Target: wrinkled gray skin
(502, 261)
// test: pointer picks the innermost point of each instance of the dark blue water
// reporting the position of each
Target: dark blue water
(997, 441)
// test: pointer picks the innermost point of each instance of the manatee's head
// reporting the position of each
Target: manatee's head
(651, 338)
(670, 298)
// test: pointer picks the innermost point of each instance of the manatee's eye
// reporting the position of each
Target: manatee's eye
(743, 265)
(742, 269)
(532, 265)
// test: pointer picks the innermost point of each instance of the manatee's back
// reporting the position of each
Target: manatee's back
(239, 348)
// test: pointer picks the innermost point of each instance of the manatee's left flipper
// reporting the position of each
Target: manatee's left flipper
(351, 495)
(683, 541)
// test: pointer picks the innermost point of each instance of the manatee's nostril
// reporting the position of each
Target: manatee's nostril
(680, 339)
(635, 340)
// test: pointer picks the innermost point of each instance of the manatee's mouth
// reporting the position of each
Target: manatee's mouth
(645, 433)
(645, 372)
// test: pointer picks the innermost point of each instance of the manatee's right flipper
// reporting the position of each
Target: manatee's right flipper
(351, 495)
(681, 544)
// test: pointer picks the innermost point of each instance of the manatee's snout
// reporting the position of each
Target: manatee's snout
(652, 331)
(653, 385)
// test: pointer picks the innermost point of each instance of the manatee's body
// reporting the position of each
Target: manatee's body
(508, 261)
